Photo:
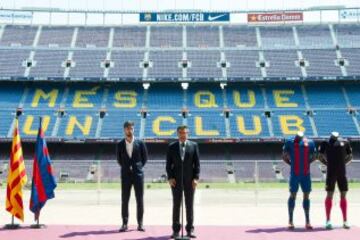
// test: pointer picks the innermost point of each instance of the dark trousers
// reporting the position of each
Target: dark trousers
(138, 184)
(189, 193)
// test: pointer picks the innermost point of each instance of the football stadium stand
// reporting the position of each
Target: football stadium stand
(229, 83)
(212, 110)
(172, 53)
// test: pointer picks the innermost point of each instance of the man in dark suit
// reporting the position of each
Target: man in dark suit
(183, 154)
(131, 156)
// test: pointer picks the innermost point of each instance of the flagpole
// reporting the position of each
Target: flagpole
(34, 203)
(12, 225)
(37, 225)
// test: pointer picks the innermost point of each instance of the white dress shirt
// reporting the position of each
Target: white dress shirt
(130, 147)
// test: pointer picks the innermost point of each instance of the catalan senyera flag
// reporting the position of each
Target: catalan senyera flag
(16, 177)
(43, 182)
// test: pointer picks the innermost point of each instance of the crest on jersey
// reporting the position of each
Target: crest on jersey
(306, 144)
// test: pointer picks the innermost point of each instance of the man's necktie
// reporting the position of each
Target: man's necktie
(182, 150)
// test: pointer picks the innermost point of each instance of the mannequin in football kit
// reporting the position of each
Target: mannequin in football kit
(299, 152)
(335, 154)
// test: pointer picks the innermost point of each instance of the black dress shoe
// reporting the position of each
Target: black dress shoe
(175, 235)
(123, 228)
(191, 235)
(141, 228)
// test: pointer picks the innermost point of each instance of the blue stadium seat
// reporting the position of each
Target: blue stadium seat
(327, 121)
(348, 35)
(353, 92)
(248, 124)
(204, 102)
(88, 64)
(165, 64)
(322, 62)
(78, 124)
(243, 64)
(241, 97)
(206, 124)
(97, 57)
(6, 119)
(49, 64)
(325, 96)
(85, 97)
(44, 96)
(23, 35)
(129, 36)
(29, 122)
(352, 56)
(202, 97)
(93, 36)
(127, 64)
(277, 36)
(280, 96)
(162, 124)
(126, 96)
(204, 64)
(314, 36)
(56, 36)
(165, 97)
(13, 62)
(282, 63)
(289, 122)
(166, 36)
(239, 36)
(10, 96)
(113, 123)
(203, 36)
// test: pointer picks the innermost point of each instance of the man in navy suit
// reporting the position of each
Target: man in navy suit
(183, 170)
(132, 156)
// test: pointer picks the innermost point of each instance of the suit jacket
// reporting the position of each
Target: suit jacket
(132, 166)
(191, 162)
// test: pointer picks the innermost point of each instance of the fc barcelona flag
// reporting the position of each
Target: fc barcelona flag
(43, 182)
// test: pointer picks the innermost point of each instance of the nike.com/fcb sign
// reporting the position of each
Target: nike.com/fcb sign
(185, 17)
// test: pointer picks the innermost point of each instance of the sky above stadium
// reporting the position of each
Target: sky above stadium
(158, 5)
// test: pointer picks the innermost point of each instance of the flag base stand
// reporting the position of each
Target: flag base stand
(182, 238)
(37, 226)
(12, 226)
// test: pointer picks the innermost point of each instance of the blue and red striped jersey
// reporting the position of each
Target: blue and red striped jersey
(301, 151)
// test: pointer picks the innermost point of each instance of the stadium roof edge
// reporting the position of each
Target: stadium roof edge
(109, 18)
(167, 24)
(59, 10)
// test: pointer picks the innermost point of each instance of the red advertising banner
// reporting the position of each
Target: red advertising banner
(275, 17)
